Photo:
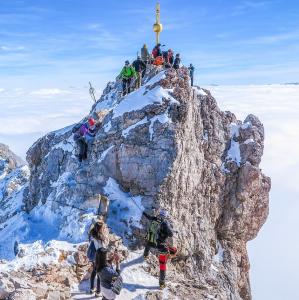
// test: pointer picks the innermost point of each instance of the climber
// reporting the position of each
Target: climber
(159, 231)
(145, 56)
(127, 74)
(84, 134)
(99, 239)
(111, 280)
(139, 67)
(177, 61)
(157, 51)
(191, 73)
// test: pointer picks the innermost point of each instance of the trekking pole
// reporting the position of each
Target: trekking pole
(91, 92)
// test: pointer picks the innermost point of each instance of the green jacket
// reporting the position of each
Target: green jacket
(128, 72)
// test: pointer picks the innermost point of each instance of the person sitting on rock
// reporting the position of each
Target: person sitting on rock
(111, 280)
(99, 237)
(85, 134)
(159, 231)
(177, 61)
(127, 74)
(139, 67)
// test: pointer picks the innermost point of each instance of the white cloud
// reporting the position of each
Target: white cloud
(49, 92)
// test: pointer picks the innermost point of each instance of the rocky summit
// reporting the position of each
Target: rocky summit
(165, 145)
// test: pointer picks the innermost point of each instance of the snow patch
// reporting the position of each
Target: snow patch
(163, 118)
(233, 153)
(125, 211)
(126, 132)
(103, 155)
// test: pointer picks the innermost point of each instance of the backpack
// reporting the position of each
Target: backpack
(155, 52)
(91, 252)
(153, 231)
(76, 127)
(117, 285)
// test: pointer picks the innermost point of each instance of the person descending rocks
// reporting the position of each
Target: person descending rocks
(127, 74)
(83, 135)
(159, 231)
(145, 56)
(177, 61)
(191, 73)
(139, 67)
(99, 239)
(157, 51)
(111, 280)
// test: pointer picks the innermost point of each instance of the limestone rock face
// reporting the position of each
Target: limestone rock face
(165, 145)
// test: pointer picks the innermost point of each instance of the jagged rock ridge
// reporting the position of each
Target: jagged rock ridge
(167, 145)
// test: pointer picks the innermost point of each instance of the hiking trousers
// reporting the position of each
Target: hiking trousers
(93, 275)
(163, 257)
(126, 86)
(138, 80)
(148, 247)
(83, 147)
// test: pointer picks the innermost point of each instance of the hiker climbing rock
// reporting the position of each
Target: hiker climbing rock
(159, 231)
(177, 61)
(127, 74)
(139, 67)
(84, 134)
(99, 238)
(191, 73)
(111, 280)
(145, 56)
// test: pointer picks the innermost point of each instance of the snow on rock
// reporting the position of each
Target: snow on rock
(126, 132)
(103, 155)
(125, 211)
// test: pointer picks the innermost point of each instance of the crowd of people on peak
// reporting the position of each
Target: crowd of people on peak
(106, 260)
(132, 74)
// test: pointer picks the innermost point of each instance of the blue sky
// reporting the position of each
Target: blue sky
(61, 43)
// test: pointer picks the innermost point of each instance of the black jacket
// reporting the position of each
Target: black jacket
(165, 230)
(139, 65)
(176, 63)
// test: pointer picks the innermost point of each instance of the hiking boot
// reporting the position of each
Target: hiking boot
(98, 294)
(162, 285)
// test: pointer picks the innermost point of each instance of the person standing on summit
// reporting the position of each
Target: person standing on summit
(127, 74)
(157, 51)
(145, 56)
(191, 73)
(177, 62)
(139, 67)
